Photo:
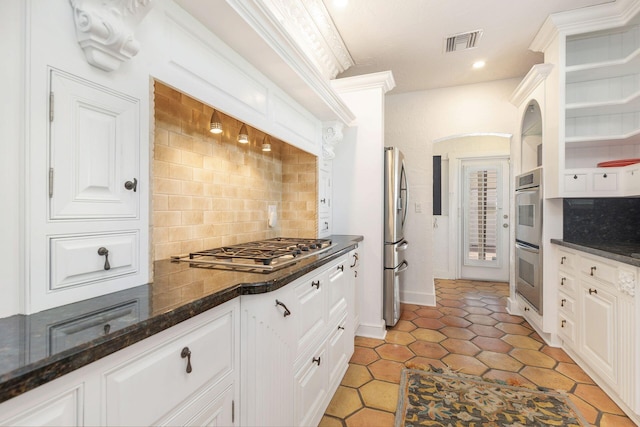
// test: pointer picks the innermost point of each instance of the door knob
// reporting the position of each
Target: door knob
(131, 185)
(505, 225)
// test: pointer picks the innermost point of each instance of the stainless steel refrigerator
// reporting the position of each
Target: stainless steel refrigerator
(396, 203)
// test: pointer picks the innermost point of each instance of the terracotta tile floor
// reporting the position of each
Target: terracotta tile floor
(469, 330)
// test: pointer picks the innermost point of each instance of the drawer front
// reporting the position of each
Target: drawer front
(575, 183)
(143, 390)
(338, 288)
(567, 282)
(566, 260)
(567, 329)
(605, 181)
(311, 389)
(567, 305)
(310, 302)
(75, 260)
(339, 354)
(64, 409)
(598, 270)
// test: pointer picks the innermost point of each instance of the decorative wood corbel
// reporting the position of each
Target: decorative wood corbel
(105, 29)
(331, 135)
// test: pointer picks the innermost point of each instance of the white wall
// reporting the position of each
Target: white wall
(358, 174)
(412, 122)
(11, 108)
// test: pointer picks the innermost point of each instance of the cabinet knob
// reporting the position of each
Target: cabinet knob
(105, 253)
(592, 270)
(526, 309)
(323, 200)
(593, 291)
(286, 310)
(187, 353)
(131, 185)
(316, 283)
(107, 329)
(341, 328)
(575, 176)
(340, 267)
(604, 176)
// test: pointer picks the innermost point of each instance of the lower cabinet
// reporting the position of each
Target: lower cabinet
(599, 321)
(185, 375)
(291, 367)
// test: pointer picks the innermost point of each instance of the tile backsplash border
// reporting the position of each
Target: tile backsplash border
(208, 190)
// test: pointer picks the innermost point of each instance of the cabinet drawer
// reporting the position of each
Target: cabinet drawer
(65, 409)
(567, 305)
(598, 270)
(143, 390)
(567, 282)
(75, 260)
(566, 260)
(606, 181)
(310, 388)
(310, 304)
(339, 352)
(567, 329)
(337, 291)
(575, 183)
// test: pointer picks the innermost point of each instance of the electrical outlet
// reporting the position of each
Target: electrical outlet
(418, 207)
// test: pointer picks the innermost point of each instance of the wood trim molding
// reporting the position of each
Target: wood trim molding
(105, 29)
(536, 74)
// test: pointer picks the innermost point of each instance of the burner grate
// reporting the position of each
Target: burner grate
(268, 254)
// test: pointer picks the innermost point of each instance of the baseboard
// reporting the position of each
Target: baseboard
(512, 307)
(372, 331)
(417, 298)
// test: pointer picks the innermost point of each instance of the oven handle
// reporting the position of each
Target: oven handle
(528, 190)
(527, 248)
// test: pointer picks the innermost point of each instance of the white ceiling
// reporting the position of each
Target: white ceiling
(407, 37)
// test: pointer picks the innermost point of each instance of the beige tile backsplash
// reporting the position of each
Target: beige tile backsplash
(209, 190)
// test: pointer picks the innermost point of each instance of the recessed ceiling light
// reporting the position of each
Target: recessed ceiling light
(340, 4)
(478, 64)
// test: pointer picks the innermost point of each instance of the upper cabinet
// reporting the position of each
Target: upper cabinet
(595, 98)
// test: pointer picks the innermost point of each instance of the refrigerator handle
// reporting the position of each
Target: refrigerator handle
(403, 246)
(402, 267)
(404, 187)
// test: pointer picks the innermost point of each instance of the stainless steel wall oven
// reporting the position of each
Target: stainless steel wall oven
(529, 237)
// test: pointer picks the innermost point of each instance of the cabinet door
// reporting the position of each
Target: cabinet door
(94, 144)
(338, 290)
(310, 309)
(143, 390)
(598, 340)
(62, 410)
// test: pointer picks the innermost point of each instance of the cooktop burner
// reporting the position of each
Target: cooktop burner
(259, 256)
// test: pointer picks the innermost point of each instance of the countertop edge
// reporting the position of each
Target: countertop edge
(33, 375)
(599, 252)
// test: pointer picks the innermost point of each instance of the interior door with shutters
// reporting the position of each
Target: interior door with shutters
(94, 163)
(485, 220)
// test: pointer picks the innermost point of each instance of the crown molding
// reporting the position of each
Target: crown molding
(382, 80)
(105, 29)
(584, 20)
(536, 74)
(268, 26)
(310, 24)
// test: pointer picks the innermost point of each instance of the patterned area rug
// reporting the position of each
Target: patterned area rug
(451, 399)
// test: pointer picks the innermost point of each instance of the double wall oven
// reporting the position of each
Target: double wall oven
(529, 237)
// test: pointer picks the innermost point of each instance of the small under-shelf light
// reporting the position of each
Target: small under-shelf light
(215, 124)
(243, 135)
(266, 143)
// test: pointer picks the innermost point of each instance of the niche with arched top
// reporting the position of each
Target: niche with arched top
(531, 150)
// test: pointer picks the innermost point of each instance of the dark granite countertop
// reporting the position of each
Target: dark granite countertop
(627, 253)
(38, 348)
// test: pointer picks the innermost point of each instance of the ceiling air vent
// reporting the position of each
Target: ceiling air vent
(462, 41)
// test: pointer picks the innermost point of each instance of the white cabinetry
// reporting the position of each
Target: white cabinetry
(148, 383)
(324, 198)
(90, 239)
(297, 342)
(598, 321)
(596, 98)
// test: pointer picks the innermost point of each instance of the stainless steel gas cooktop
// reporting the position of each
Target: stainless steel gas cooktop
(261, 256)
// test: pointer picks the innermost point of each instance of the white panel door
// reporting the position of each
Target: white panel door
(485, 220)
(94, 150)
